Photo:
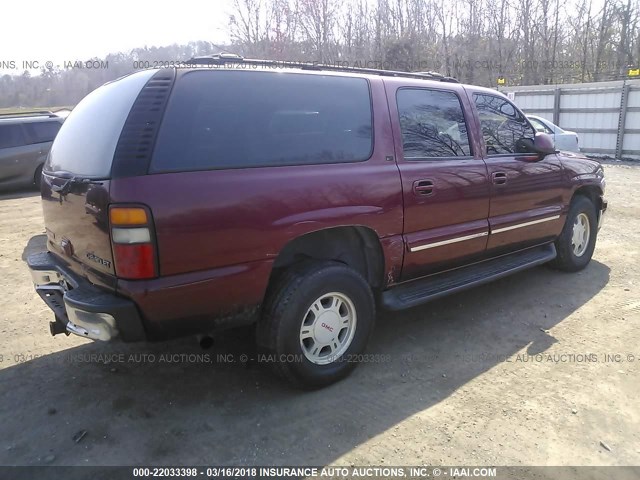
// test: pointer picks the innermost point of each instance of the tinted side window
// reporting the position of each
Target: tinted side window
(502, 125)
(40, 132)
(235, 119)
(11, 136)
(432, 124)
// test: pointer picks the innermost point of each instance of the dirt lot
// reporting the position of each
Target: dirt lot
(513, 373)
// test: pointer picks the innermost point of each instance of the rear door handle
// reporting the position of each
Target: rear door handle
(423, 188)
(499, 178)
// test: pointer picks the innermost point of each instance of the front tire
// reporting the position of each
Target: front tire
(317, 319)
(577, 241)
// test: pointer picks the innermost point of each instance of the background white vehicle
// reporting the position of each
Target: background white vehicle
(564, 139)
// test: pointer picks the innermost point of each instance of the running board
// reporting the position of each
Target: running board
(429, 288)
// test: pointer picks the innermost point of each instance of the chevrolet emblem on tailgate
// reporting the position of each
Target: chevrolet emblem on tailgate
(93, 257)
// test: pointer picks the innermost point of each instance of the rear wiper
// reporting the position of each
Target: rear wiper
(66, 186)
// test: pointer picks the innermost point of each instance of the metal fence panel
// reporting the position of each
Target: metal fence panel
(605, 115)
(631, 143)
(536, 102)
(633, 119)
(590, 100)
(634, 97)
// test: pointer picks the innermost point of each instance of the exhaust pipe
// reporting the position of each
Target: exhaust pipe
(205, 341)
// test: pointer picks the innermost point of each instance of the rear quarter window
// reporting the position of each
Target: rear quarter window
(87, 140)
(235, 119)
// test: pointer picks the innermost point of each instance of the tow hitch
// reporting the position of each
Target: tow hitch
(58, 327)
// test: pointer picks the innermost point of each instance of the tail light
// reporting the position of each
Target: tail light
(134, 247)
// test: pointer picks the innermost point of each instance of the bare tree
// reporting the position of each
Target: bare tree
(528, 41)
(317, 20)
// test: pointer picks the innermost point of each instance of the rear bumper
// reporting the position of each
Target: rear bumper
(80, 307)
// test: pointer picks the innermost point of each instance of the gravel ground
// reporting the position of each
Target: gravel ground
(542, 368)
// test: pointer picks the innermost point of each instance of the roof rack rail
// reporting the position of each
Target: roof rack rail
(38, 113)
(225, 58)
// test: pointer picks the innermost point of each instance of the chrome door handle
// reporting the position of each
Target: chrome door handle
(423, 188)
(499, 178)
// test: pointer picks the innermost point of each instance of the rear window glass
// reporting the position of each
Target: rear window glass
(11, 136)
(41, 132)
(236, 119)
(88, 138)
(432, 124)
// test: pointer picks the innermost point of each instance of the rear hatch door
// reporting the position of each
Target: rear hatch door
(76, 178)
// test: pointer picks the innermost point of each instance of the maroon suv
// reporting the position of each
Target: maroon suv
(191, 200)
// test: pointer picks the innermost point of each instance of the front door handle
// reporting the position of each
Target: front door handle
(499, 178)
(423, 188)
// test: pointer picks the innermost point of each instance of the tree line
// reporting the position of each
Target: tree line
(526, 42)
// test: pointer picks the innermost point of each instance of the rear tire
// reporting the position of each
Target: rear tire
(317, 319)
(577, 241)
(37, 177)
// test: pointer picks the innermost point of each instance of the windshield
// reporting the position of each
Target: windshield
(87, 140)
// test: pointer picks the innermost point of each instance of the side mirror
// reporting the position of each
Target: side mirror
(542, 144)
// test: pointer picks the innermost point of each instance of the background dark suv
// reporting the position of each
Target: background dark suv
(192, 200)
(25, 140)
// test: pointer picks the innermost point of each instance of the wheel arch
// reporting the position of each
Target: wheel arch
(592, 192)
(357, 246)
(37, 173)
